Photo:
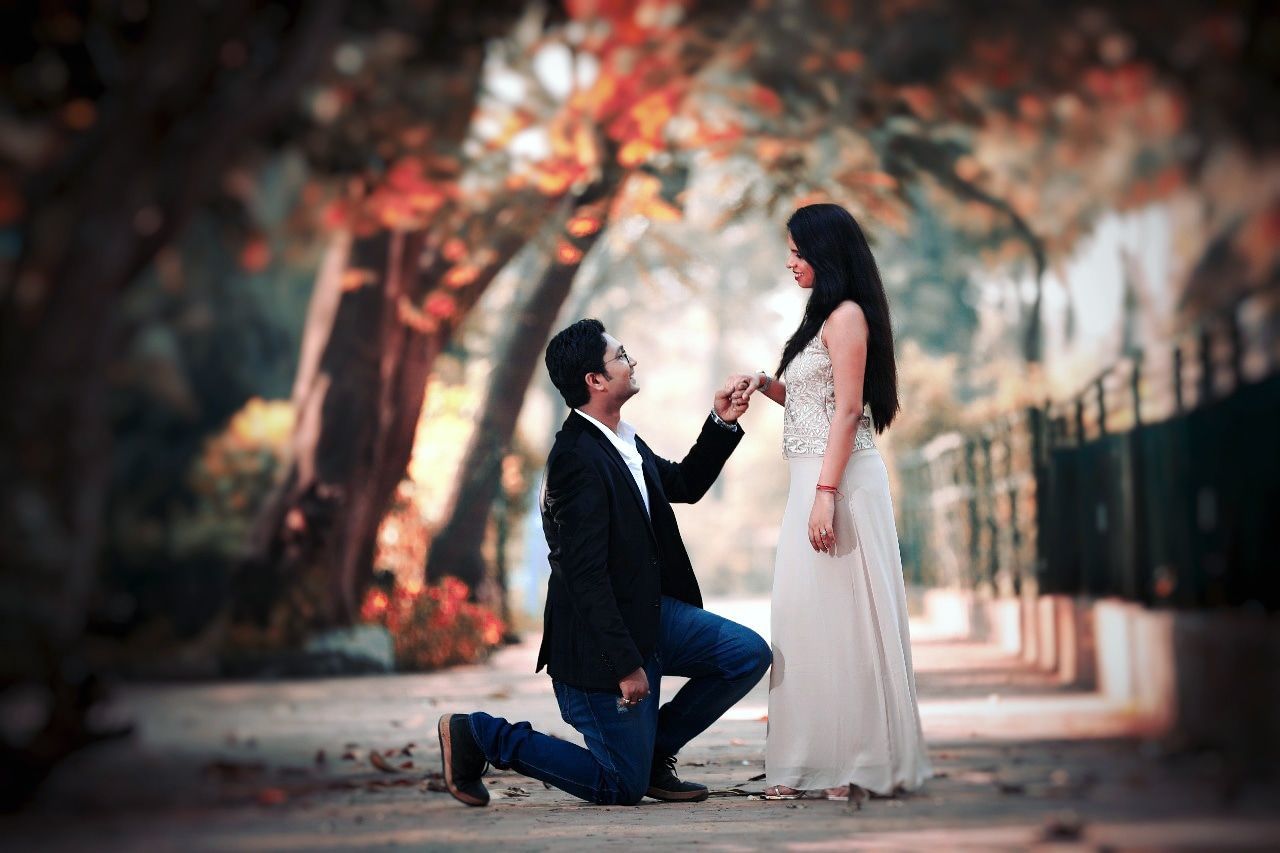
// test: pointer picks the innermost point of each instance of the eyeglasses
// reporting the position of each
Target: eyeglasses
(622, 356)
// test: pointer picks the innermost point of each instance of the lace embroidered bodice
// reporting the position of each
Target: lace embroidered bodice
(811, 403)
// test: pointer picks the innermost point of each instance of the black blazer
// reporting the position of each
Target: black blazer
(610, 563)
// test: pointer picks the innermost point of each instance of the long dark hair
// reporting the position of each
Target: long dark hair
(828, 237)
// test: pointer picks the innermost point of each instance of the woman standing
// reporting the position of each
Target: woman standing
(842, 695)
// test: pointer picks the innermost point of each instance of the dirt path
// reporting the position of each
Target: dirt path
(287, 766)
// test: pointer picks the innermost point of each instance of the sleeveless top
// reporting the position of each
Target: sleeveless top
(811, 403)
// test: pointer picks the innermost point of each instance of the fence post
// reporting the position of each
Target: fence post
(1101, 391)
(1206, 368)
(1135, 389)
(1178, 404)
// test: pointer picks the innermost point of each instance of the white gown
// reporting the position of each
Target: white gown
(842, 691)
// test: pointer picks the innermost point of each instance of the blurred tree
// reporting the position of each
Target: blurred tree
(1022, 122)
(313, 552)
(116, 125)
(409, 258)
(944, 141)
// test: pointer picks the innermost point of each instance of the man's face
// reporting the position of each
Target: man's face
(619, 378)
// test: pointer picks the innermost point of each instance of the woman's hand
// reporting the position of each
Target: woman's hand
(822, 532)
(742, 384)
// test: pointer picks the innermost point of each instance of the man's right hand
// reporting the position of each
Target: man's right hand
(635, 687)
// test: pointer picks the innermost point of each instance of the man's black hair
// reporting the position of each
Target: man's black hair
(572, 354)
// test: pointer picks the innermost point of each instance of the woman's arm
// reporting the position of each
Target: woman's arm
(845, 336)
(774, 389)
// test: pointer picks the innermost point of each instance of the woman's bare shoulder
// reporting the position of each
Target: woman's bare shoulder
(846, 321)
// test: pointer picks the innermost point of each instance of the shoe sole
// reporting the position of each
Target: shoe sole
(446, 760)
(678, 796)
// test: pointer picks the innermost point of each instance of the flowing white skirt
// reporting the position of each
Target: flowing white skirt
(842, 692)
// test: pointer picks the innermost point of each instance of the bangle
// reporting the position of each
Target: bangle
(764, 378)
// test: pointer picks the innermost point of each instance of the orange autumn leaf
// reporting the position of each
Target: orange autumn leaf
(881, 180)
(454, 250)
(272, 796)
(567, 253)
(582, 226)
(651, 114)
(642, 197)
(356, 278)
(406, 175)
(426, 201)
(461, 275)
(255, 254)
(769, 150)
(968, 168)
(635, 152)
(849, 61)
(335, 215)
(766, 100)
(920, 100)
(441, 306)
(554, 183)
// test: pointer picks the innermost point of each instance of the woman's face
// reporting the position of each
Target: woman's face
(799, 266)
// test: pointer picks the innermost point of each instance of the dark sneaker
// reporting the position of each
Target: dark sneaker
(463, 761)
(665, 785)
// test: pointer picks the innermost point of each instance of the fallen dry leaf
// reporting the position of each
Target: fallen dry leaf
(406, 765)
(512, 793)
(272, 796)
(376, 759)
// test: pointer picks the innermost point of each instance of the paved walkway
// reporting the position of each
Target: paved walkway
(289, 766)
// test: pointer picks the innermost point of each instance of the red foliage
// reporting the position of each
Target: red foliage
(434, 626)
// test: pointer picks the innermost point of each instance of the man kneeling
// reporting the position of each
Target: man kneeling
(623, 606)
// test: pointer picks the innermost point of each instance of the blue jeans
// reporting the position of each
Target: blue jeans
(722, 659)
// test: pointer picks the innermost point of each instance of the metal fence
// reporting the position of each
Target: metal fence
(1159, 482)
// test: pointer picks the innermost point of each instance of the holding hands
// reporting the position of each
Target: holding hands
(732, 399)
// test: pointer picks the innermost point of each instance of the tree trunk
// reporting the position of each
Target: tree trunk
(367, 354)
(170, 121)
(456, 550)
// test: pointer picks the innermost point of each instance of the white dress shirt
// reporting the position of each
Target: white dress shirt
(625, 440)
